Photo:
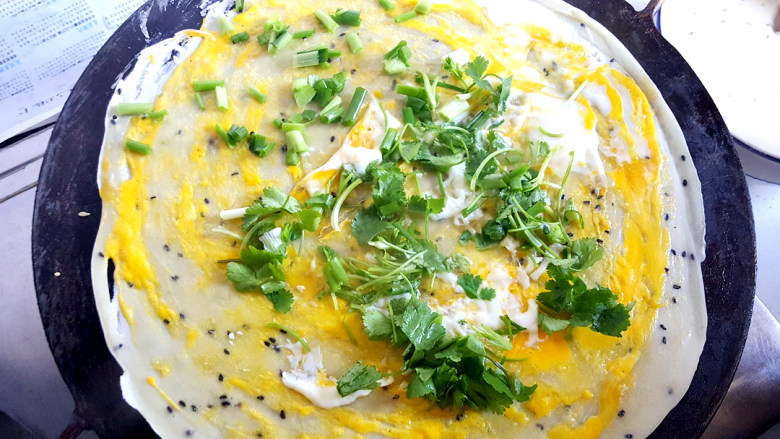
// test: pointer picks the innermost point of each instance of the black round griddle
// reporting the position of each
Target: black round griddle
(62, 240)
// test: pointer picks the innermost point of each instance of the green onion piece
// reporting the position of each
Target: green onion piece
(225, 25)
(295, 141)
(125, 109)
(387, 4)
(239, 37)
(454, 109)
(347, 17)
(292, 126)
(239, 5)
(423, 7)
(257, 94)
(158, 115)
(326, 21)
(199, 101)
(408, 115)
(332, 116)
(259, 145)
(304, 347)
(354, 107)
(295, 118)
(406, 16)
(388, 140)
(334, 53)
(222, 99)
(303, 34)
(306, 59)
(237, 133)
(278, 122)
(139, 147)
(324, 65)
(336, 101)
(355, 45)
(410, 90)
(393, 66)
(280, 43)
(291, 159)
(304, 95)
(207, 84)
(222, 133)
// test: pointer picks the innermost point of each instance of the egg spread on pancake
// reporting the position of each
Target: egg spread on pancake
(397, 219)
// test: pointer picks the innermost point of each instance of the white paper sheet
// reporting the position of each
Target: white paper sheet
(44, 47)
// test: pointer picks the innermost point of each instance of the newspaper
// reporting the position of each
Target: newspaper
(44, 47)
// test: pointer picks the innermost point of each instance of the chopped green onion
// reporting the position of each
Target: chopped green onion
(239, 37)
(303, 34)
(278, 122)
(354, 107)
(125, 109)
(347, 17)
(237, 133)
(388, 140)
(387, 4)
(225, 25)
(295, 141)
(280, 43)
(222, 133)
(326, 21)
(257, 94)
(239, 5)
(454, 109)
(199, 101)
(406, 16)
(259, 145)
(310, 58)
(393, 66)
(291, 158)
(291, 126)
(139, 147)
(334, 53)
(355, 45)
(207, 84)
(308, 115)
(423, 7)
(222, 99)
(157, 115)
(330, 108)
(332, 115)
(304, 95)
(304, 347)
(410, 90)
(408, 113)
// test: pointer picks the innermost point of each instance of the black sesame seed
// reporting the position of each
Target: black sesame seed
(283, 331)
(267, 343)
(102, 255)
(666, 269)
(600, 241)
(606, 231)
(629, 436)
(222, 397)
(459, 417)
(396, 396)
(206, 200)
(332, 138)
(663, 340)
(571, 235)
(234, 174)
(166, 321)
(174, 277)
(194, 408)
(221, 378)
(225, 403)
(272, 340)
(166, 248)
(170, 409)
(188, 433)
(586, 202)
(674, 252)
(261, 397)
(181, 316)
(435, 40)
(663, 327)
(182, 404)
(671, 391)
(179, 255)
(282, 414)
(353, 71)
(685, 182)
(676, 287)
(692, 257)
(621, 413)
(342, 34)
(211, 331)
(666, 217)
(598, 207)
(674, 300)
(227, 352)
(540, 426)
(682, 157)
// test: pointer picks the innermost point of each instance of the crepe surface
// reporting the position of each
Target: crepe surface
(197, 354)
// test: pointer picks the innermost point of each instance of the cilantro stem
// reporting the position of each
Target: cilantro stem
(484, 163)
(334, 216)
(576, 93)
(563, 182)
(441, 185)
(547, 133)
(346, 327)
(293, 334)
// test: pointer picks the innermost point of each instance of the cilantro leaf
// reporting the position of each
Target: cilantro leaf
(465, 237)
(244, 278)
(418, 204)
(472, 285)
(551, 324)
(274, 198)
(310, 219)
(597, 308)
(476, 71)
(377, 325)
(388, 190)
(282, 300)
(358, 377)
(367, 224)
(421, 325)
